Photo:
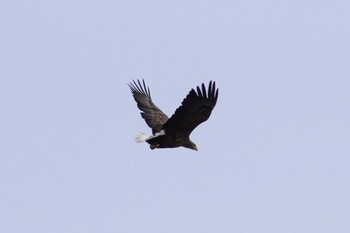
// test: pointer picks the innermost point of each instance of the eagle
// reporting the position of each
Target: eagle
(174, 131)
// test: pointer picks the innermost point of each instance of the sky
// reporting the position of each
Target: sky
(273, 156)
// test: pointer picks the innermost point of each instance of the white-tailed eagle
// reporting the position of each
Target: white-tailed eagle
(174, 131)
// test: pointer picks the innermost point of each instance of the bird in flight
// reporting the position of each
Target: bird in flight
(174, 131)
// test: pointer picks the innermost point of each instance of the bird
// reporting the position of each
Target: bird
(175, 131)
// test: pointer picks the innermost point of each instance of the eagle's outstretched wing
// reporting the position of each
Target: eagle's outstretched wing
(195, 109)
(153, 116)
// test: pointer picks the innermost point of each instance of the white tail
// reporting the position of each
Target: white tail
(141, 137)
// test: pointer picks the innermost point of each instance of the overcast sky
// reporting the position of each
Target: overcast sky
(273, 157)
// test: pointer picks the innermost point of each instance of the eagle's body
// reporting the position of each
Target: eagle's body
(174, 131)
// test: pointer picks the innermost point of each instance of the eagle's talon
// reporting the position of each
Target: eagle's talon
(154, 146)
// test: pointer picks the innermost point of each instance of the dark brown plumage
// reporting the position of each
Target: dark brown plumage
(174, 131)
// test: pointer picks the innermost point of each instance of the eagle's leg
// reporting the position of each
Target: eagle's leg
(154, 146)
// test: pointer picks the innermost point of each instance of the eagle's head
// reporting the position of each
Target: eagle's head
(191, 145)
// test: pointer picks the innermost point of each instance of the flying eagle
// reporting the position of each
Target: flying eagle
(174, 131)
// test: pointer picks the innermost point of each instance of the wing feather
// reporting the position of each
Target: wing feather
(195, 109)
(153, 116)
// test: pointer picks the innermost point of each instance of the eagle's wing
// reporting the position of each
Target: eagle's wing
(195, 109)
(153, 116)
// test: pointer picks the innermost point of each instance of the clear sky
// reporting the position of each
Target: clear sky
(273, 157)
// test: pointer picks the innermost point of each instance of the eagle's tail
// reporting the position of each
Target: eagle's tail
(141, 137)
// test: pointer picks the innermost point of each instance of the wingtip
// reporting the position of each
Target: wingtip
(137, 86)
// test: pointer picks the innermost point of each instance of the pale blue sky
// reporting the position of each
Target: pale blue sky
(273, 157)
